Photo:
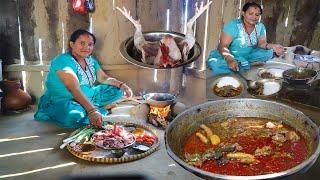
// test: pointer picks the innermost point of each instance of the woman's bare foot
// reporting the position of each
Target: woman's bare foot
(258, 63)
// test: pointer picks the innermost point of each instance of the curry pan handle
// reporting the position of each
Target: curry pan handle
(313, 78)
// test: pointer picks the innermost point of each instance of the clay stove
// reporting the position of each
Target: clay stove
(157, 111)
(160, 108)
(160, 116)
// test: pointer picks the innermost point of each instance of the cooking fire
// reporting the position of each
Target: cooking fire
(160, 116)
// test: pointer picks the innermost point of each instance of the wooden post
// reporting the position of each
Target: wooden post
(9, 34)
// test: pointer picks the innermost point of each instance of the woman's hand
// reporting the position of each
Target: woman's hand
(233, 64)
(278, 49)
(127, 90)
(105, 79)
(95, 119)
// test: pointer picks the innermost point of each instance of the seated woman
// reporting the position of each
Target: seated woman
(71, 98)
(243, 41)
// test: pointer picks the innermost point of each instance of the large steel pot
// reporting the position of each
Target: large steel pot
(189, 121)
(154, 78)
(132, 55)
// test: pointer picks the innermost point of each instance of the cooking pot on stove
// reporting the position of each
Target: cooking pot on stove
(159, 99)
(187, 122)
(299, 76)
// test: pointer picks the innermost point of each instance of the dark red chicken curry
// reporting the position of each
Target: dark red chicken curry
(245, 147)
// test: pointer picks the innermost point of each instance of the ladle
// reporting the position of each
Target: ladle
(250, 83)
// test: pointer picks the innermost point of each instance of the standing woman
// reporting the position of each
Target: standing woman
(71, 98)
(243, 42)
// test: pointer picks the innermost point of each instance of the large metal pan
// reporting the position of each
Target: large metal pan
(189, 121)
(299, 76)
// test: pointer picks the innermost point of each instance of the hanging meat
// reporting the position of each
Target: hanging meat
(166, 52)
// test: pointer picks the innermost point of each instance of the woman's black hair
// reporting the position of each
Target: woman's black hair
(251, 4)
(75, 35)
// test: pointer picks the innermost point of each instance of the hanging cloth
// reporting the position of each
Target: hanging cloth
(90, 5)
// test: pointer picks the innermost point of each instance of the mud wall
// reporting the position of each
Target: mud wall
(46, 25)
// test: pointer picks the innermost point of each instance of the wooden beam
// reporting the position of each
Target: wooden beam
(19, 67)
(31, 68)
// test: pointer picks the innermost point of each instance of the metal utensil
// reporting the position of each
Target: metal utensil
(159, 99)
(130, 53)
(299, 76)
(312, 79)
(250, 83)
(189, 121)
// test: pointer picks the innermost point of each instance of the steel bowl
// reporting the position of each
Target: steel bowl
(187, 122)
(131, 54)
(159, 99)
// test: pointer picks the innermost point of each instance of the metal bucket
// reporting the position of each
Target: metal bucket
(153, 78)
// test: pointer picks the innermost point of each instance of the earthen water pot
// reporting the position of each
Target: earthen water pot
(14, 97)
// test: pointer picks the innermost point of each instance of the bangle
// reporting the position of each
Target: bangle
(121, 84)
(92, 111)
(266, 46)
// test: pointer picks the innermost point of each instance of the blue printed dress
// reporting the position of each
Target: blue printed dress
(57, 104)
(243, 47)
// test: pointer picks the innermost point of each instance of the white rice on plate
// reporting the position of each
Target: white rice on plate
(276, 72)
(226, 81)
(271, 88)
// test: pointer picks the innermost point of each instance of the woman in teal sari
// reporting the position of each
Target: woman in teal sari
(243, 42)
(72, 99)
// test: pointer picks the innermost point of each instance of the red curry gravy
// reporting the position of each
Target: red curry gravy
(269, 147)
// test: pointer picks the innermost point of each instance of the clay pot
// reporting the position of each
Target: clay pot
(14, 97)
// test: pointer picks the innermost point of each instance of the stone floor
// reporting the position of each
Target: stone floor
(30, 149)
